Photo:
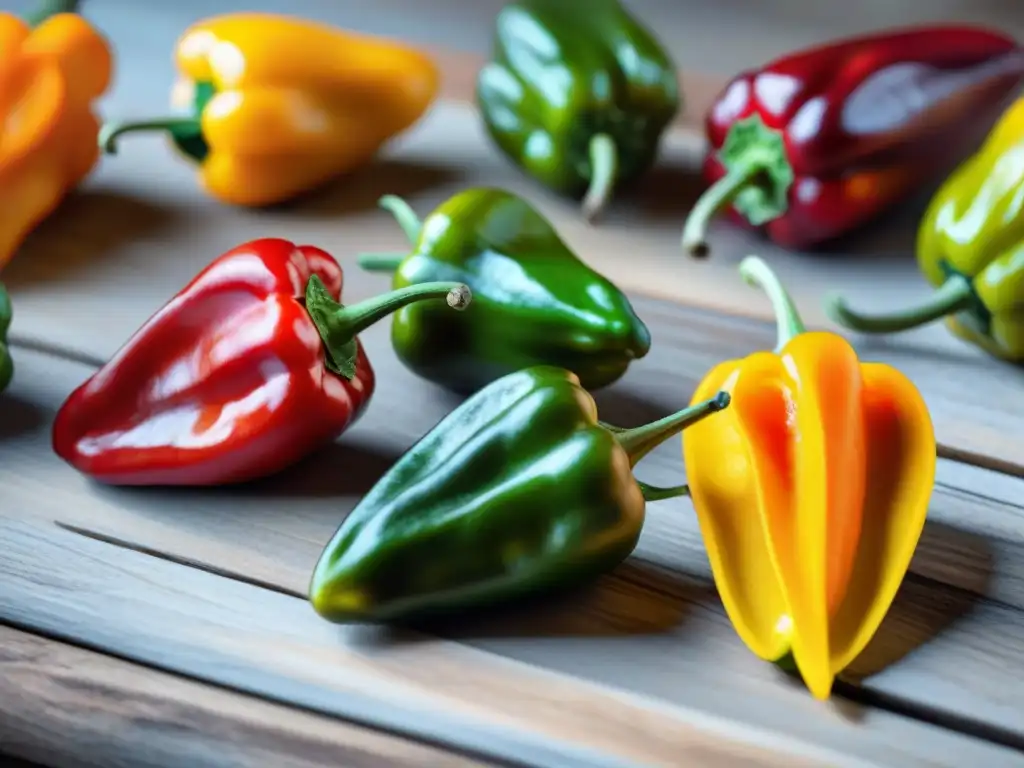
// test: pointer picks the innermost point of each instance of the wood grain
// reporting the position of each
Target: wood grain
(66, 707)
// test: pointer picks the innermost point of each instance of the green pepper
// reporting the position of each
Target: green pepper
(534, 301)
(579, 93)
(970, 246)
(518, 491)
(6, 364)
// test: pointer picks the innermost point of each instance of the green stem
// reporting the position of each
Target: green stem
(112, 131)
(654, 493)
(339, 325)
(380, 262)
(755, 271)
(639, 441)
(47, 8)
(604, 167)
(955, 295)
(404, 215)
(716, 197)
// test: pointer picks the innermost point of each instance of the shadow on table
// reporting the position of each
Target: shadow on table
(19, 416)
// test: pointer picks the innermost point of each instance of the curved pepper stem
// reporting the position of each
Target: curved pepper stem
(112, 131)
(955, 295)
(714, 199)
(404, 215)
(6, 364)
(755, 271)
(639, 441)
(339, 325)
(380, 262)
(47, 8)
(604, 167)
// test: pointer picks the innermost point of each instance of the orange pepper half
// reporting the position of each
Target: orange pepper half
(811, 491)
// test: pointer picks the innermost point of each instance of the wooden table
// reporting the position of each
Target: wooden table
(159, 628)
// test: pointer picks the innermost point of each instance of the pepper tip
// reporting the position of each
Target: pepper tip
(698, 250)
(721, 401)
(459, 297)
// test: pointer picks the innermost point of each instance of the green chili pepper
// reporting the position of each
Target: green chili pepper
(579, 93)
(6, 364)
(520, 490)
(534, 301)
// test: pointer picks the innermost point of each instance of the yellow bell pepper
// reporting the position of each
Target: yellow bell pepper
(281, 106)
(811, 491)
(53, 67)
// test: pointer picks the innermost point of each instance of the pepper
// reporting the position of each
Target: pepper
(281, 106)
(6, 363)
(815, 144)
(54, 65)
(518, 491)
(811, 491)
(251, 367)
(970, 247)
(534, 302)
(579, 94)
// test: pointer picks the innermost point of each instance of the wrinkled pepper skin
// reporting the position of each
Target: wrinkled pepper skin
(811, 492)
(6, 363)
(53, 67)
(534, 301)
(578, 94)
(518, 491)
(970, 247)
(817, 143)
(281, 106)
(250, 368)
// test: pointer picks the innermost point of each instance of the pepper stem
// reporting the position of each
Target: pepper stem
(380, 262)
(639, 441)
(654, 493)
(404, 215)
(714, 199)
(604, 167)
(339, 325)
(112, 131)
(755, 271)
(954, 295)
(47, 8)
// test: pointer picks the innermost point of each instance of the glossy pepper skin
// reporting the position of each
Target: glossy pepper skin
(811, 491)
(251, 367)
(578, 93)
(518, 491)
(54, 65)
(817, 143)
(6, 363)
(534, 301)
(281, 106)
(970, 247)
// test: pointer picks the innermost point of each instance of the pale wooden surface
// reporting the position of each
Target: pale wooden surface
(643, 668)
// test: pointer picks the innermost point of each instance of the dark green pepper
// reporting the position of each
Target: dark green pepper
(534, 301)
(518, 491)
(6, 364)
(579, 93)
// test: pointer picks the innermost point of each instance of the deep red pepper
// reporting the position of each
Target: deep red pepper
(816, 143)
(251, 367)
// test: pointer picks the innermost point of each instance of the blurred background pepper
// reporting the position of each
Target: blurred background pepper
(534, 301)
(307, 103)
(811, 491)
(519, 490)
(6, 363)
(970, 246)
(819, 142)
(54, 65)
(579, 93)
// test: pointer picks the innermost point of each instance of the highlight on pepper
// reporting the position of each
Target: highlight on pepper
(811, 491)
(54, 66)
(535, 302)
(279, 106)
(519, 491)
(578, 94)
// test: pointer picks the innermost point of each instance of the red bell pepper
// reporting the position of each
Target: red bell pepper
(251, 367)
(816, 143)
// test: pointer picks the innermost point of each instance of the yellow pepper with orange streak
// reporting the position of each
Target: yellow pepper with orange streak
(52, 67)
(811, 491)
(281, 106)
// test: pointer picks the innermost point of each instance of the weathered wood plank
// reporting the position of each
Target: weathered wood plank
(65, 706)
(655, 628)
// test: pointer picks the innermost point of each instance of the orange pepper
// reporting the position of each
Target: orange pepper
(51, 71)
(811, 491)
